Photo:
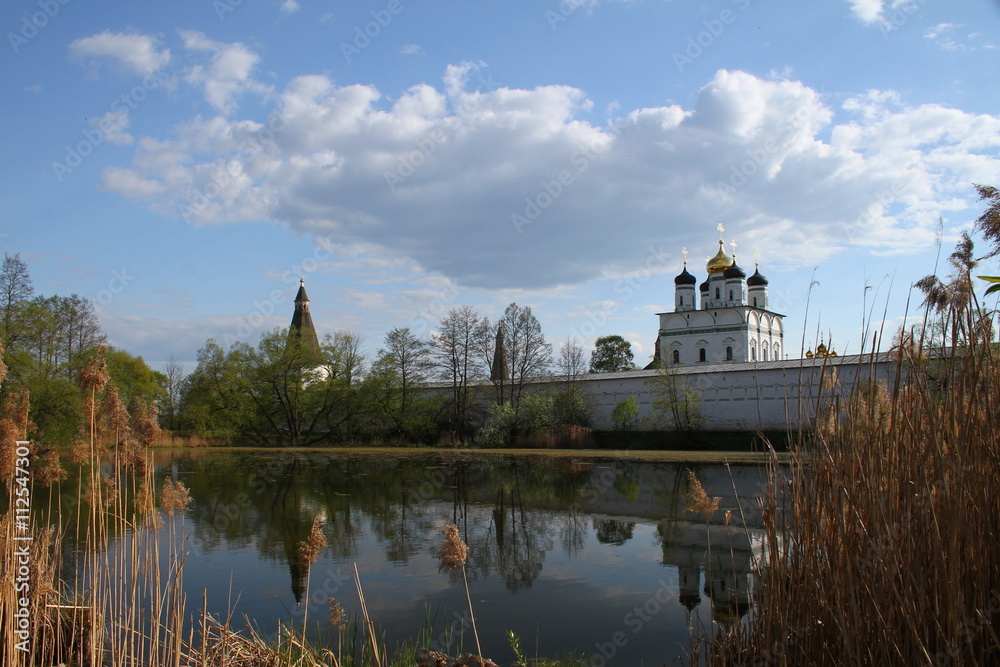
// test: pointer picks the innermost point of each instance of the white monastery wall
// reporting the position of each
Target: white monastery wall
(735, 396)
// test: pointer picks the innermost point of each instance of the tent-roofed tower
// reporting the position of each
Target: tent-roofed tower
(302, 326)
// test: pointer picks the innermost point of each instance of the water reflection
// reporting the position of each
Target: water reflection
(563, 550)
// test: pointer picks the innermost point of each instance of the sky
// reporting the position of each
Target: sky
(183, 164)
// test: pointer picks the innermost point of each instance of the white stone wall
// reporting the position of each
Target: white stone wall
(742, 396)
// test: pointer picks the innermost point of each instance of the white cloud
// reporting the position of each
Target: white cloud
(867, 11)
(290, 7)
(113, 126)
(412, 50)
(131, 51)
(227, 76)
(508, 188)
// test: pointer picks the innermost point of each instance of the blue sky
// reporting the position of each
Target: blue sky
(182, 164)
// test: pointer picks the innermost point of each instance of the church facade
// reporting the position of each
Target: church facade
(725, 319)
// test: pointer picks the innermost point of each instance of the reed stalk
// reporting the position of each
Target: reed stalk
(882, 534)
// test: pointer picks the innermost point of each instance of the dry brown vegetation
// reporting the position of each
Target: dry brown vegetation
(885, 549)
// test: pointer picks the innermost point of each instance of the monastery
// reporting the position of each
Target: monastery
(724, 345)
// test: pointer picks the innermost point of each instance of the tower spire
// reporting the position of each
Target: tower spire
(302, 326)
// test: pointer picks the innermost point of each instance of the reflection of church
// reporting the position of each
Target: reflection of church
(733, 323)
(725, 560)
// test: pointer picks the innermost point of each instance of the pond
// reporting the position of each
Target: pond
(589, 553)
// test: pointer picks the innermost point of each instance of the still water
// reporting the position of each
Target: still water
(583, 552)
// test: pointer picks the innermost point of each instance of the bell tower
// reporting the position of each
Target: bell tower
(302, 324)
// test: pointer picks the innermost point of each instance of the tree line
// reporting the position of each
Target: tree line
(410, 390)
(46, 342)
(282, 391)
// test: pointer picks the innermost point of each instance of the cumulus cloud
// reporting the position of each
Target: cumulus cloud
(131, 51)
(113, 125)
(867, 11)
(497, 187)
(227, 76)
(412, 50)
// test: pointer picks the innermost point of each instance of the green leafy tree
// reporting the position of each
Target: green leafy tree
(570, 406)
(611, 354)
(625, 414)
(134, 378)
(675, 402)
(403, 365)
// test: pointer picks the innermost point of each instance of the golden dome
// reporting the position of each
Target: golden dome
(720, 262)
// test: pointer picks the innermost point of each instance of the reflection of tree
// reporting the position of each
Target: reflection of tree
(613, 531)
(511, 511)
(520, 541)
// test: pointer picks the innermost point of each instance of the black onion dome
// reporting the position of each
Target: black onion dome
(703, 287)
(734, 271)
(756, 280)
(685, 278)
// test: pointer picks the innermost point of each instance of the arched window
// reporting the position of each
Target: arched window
(701, 354)
(730, 295)
(777, 352)
(763, 349)
(717, 292)
(755, 302)
(677, 356)
(753, 353)
(729, 353)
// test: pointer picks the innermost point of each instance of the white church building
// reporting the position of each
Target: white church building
(727, 320)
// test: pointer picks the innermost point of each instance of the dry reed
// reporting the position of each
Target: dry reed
(453, 554)
(885, 549)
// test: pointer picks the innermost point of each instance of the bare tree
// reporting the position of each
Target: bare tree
(170, 403)
(403, 364)
(527, 354)
(455, 354)
(571, 362)
(15, 292)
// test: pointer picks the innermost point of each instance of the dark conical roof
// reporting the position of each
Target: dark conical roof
(734, 271)
(756, 280)
(302, 323)
(685, 278)
(498, 369)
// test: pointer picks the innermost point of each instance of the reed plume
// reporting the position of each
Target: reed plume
(698, 501)
(309, 551)
(453, 554)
